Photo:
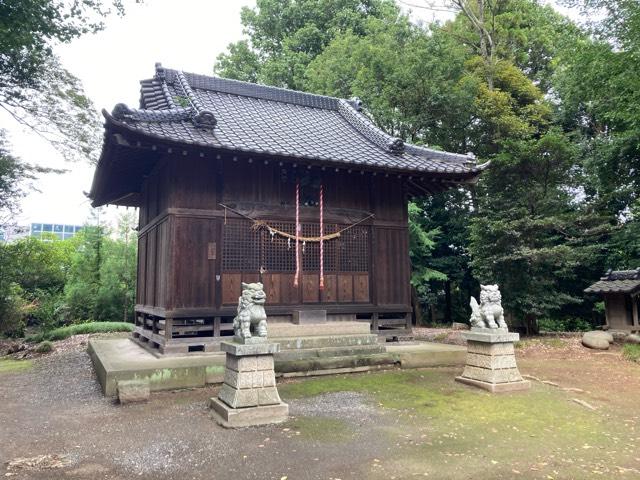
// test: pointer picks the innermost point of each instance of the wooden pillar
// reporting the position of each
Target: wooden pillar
(634, 308)
(168, 330)
(216, 326)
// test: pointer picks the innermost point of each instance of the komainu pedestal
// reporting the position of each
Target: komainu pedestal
(491, 361)
(249, 395)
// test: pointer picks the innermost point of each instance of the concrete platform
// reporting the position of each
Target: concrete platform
(117, 359)
(122, 359)
(427, 354)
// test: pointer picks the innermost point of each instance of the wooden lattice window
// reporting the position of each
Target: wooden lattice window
(245, 249)
(239, 252)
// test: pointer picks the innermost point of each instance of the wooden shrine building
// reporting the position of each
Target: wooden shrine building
(621, 292)
(220, 170)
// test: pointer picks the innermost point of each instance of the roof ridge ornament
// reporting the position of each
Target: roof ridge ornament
(203, 118)
(372, 133)
(468, 159)
(122, 112)
(161, 74)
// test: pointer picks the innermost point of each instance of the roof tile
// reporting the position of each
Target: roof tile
(222, 113)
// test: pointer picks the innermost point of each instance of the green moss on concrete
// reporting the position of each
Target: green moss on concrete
(8, 365)
(322, 429)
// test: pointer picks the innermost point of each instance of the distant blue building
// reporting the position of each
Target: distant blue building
(61, 231)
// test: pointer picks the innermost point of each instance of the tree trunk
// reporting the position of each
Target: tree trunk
(417, 308)
(447, 301)
(531, 324)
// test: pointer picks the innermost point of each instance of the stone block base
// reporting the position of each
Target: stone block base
(246, 417)
(496, 387)
(249, 395)
(491, 362)
(133, 391)
(301, 317)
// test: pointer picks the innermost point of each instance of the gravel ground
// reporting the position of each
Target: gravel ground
(54, 418)
(355, 408)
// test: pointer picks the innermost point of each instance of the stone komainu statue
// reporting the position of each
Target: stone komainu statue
(251, 312)
(489, 314)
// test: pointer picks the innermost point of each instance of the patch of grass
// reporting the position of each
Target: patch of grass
(44, 347)
(440, 337)
(522, 344)
(79, 329)
(631, 352)
(324, 429)
(553, 342)
(8, 365)
(433, 395)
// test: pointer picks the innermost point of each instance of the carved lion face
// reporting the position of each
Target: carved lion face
(490, 294)
(253, 293)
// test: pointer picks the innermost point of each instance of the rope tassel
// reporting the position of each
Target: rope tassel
(321, 237)
(297, 275)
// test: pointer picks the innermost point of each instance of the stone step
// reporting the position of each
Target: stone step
(301, 354)
(332, 363)
(278, 330)
(325, 341)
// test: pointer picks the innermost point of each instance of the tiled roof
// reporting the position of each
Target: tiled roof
(245, 117)
(621, 281)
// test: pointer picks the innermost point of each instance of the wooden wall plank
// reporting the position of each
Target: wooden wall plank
(290, 295)
(142, 270)
(271, 283)
(310, 289)
(361, 288)
(345, 288)
(248, 277)
(330, 293)
(392, 266)
(231, 288)
(150, 286)
(193, 183)
(194, 272)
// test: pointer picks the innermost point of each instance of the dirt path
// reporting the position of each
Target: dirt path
(391, 425)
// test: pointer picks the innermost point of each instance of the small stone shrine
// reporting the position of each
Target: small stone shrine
(491, 361)
(249, 395)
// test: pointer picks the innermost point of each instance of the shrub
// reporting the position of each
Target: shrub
(631, 352)
(571, 324)
(44, 347)
(79, 329)
(50, 309)
(13, 311)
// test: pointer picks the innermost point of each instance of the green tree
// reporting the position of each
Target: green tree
(598, 86)
(491, 81)
(116, 293)
(34, 88)
(286, 35)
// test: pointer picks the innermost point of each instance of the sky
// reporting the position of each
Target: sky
(186, 35)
